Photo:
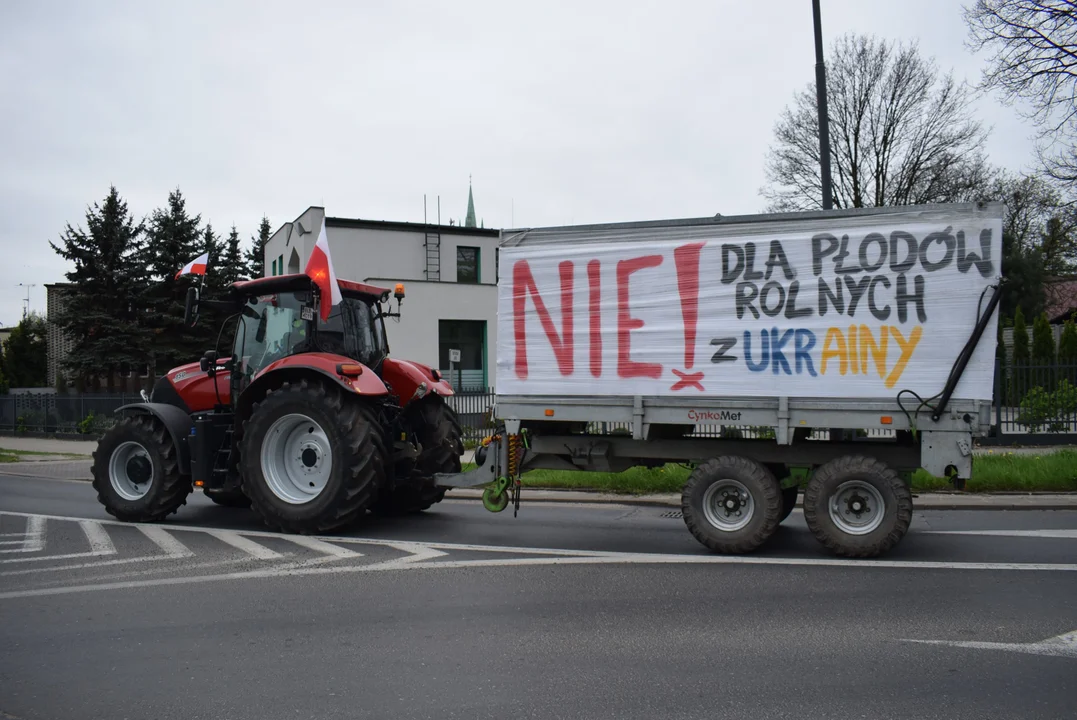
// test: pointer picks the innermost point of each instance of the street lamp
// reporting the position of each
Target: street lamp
(824, 121)
(26, 308)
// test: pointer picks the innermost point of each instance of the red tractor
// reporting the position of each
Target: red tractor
(309, 422)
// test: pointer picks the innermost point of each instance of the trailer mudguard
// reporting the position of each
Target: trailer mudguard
(176, 422)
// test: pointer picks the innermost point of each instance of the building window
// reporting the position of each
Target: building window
(497, 265)
(469, 337)
(280, 264)
(274, 267)
(467, 264)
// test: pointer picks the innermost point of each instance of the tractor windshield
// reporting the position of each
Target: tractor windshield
(282, 324)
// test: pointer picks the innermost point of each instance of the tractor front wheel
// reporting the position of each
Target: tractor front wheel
(311, 459)
(136, 471)
(438, 429)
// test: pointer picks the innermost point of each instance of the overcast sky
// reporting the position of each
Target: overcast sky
(566, 112)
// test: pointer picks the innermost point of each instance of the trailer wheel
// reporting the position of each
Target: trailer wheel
(857, 506)
(439, 433)
(789, 501)
(312, 459)
(731, 504)
(136, 471)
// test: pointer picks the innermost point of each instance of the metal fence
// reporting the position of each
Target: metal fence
(1034, 404)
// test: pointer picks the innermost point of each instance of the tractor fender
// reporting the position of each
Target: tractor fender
(367, 384)
(176, 422)
(413, 381)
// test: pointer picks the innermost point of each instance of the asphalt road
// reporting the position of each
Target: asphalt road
(563, 612)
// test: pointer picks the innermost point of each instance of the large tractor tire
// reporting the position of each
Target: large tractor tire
(438, 429)
(857, 506)
(312, 459)
(731, 504)
(136, 471)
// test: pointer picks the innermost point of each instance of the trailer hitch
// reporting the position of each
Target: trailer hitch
(499, 461)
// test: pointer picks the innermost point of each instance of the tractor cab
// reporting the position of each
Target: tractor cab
(277, 323)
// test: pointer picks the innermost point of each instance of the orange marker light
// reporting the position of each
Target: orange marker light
(886, 420)
(549, 413)
(199, 483)
(349, 369)
(399, 291)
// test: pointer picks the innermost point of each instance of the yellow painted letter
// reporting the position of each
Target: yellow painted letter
(838, 350)
(906, 352)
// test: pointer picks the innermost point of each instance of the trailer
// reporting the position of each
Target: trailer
(832, 353)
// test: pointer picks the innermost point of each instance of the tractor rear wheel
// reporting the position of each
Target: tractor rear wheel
(136, 471)
(311, 458)
(438, 429)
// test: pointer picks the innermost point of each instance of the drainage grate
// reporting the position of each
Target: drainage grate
(672, 514)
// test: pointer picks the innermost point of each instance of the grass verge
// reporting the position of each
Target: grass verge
(10, 456)
(1002, 472)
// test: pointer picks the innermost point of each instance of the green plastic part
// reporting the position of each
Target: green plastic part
(798, 475)
(496, 497)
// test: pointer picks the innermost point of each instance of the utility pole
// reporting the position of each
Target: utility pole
(824, 120)
(26, 306)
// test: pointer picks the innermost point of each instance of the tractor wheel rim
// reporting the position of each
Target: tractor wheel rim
(728, 505)
(297, 459)
(130, 470)
(857, 507)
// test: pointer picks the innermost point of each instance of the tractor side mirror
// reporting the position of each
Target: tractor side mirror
(190, 312)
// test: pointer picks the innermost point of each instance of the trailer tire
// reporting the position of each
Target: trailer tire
(789, 501)
(842, 506)
(731, 504)
(438, 429)
(136, 471)
(341, 430)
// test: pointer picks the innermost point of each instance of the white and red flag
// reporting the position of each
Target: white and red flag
(320, 269)
(196, 266)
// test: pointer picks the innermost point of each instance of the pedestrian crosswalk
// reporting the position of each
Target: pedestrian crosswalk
(39, 552)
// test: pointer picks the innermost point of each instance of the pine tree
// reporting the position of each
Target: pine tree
(172, 240)
(102, 306)
(255, 255)
(1043, 341)
(232, 266)
(1067, 344)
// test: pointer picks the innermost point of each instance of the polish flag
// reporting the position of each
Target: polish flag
(320, 269)
(196, 266)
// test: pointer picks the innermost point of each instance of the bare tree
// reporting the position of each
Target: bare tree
(899, 134)
(1035, 46)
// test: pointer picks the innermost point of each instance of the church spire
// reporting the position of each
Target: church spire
(470, 220)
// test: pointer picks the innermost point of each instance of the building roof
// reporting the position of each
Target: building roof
(1061, 299)
(409, 227)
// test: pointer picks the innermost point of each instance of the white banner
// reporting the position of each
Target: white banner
(826, 310)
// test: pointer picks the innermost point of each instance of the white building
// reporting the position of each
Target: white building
(449, 273)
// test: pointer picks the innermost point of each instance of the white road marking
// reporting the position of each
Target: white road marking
(596, 559)
(1057, 534)
(1064, 645)
(33, 540)
(100, 542)
(319, 546)
(173, 548)
(261, 552)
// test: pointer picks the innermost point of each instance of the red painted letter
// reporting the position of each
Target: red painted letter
(522, 283)
(594, 281)
(687, 259)
(626, 366)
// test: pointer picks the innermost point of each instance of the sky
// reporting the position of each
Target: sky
(559, 112)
